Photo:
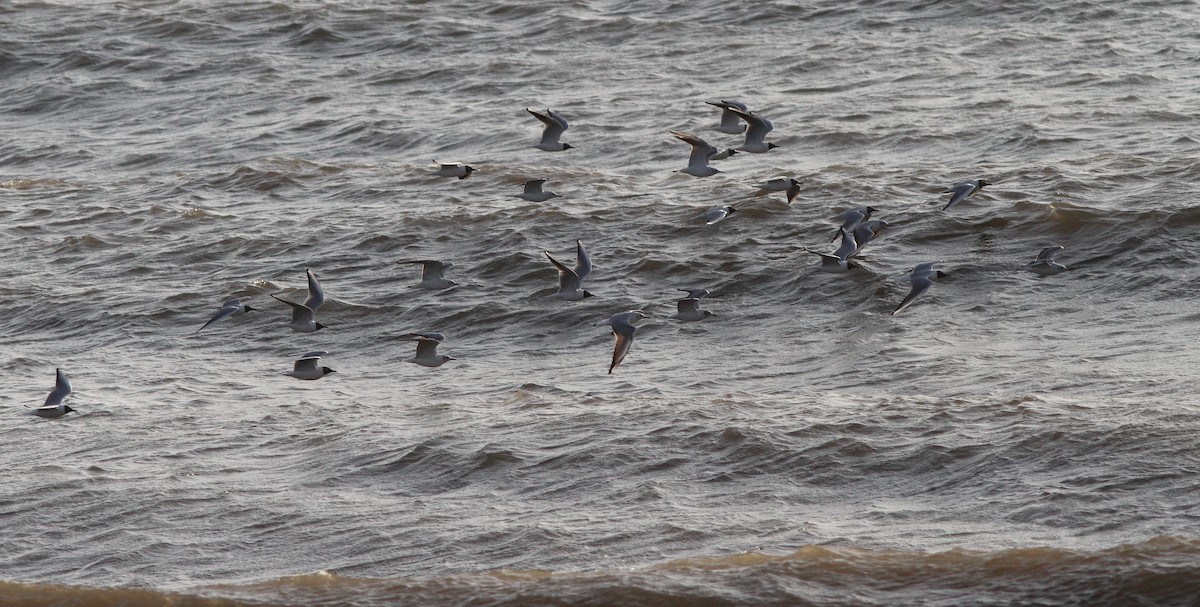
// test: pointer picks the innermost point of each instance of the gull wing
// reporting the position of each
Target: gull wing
(583, 263)
(62, 387)
(316, 295)
(568, 280)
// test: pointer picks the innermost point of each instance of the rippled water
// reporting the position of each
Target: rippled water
(1008, 439)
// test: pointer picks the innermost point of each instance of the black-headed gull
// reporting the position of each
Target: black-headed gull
(54, 407)
(533, 191)
(553, 127)
(702, 152)
(623, 329)
(921, 278)
(867, 231)
(757, 128)
(689, 309)
(453, 169)
(427, 344)
(730, 123)
(304, 315)
(1044, 264)
(306, 367)
(717, 214)
(780, 184)
(851, 218)
(236, 305)
(961, 191)
(839, 260)
(433, 273)
(570, 280)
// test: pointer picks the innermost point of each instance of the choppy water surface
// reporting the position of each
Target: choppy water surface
(1009, 439)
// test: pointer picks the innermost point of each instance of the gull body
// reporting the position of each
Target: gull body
(757, 128)
(921, 278)
(623, 330)
(306, 367)
(730, 122)
(534, 193)
(553, 126)
(427, 344)
(867, 231)
(570, 280)
(717, 214)
(433, 273)
(851, 218)
(453, 169)
(1044, 264)
(689, 309)
(702, 152)
(780, 184)
(54, 407)
(236, 305)
(961, 191)
(839, 260)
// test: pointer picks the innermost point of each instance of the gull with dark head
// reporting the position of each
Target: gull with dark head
(780, 184)
(702, 152)
(433, 273)
(236, 305)
(427, 344)
(921, 278)
(534, 193)
(852, 217)
(570, 280)
(688, 309)
(453, 169)
(54, 407)
(730, 122)
(962, 191)
(839, 261)
(306, 367)
(623, 329)
(757, 128)
(304, 315)
(867, 231)
(552, 129)
(1044, 264)
(717, 214)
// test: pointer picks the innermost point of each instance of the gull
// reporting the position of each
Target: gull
(229, 308)
(853, 217)
(689, 309)
(730, 122)
(570, 281)
(304, 315)
(433, 273)
(964, 190)
(534, 193)
(623, 329)
(702, 152)
(553, 129)
(1044, 264)
(453, 169)
(717, 214)
(54, 407)
(757, 128)
(306, 367)
(867, 231)
(839, 261)
(922, 278)
(695, 293)
(780, 184)
(427, 344)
